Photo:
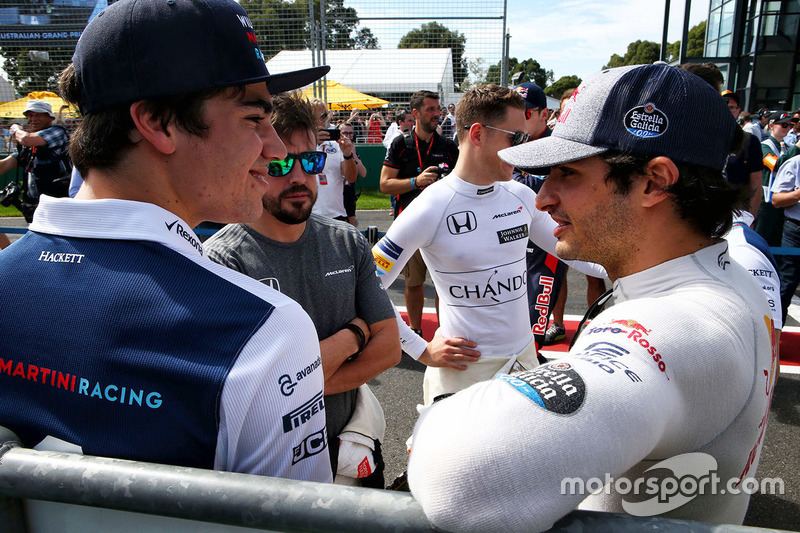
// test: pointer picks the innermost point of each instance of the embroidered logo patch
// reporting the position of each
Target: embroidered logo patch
(646, 121)
(556, 387)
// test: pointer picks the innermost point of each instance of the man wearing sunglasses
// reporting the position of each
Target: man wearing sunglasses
(161, 355)
(472, 228)
(326, 266)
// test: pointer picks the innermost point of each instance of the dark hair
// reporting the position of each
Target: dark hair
(418, 99)
(486, 104)
(400, 116)
(103, 137)
(710, 74)
(702, 195)
(567, 93)
(293, 112)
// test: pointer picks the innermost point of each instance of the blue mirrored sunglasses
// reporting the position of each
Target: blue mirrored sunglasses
(310, 162)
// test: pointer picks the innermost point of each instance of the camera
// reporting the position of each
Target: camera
(12, 195)
(442, 170)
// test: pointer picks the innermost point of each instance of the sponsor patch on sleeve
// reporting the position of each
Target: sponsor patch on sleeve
(384, 265)
(389, 248)
(556, 387)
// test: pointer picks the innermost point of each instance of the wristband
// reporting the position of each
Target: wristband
(362, 339)
(349, 156)
(412, 184)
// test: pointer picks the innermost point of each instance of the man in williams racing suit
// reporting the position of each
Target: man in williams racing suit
(629, 156)
(472, 228)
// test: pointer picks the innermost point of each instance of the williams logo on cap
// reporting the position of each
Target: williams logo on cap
(646, 121)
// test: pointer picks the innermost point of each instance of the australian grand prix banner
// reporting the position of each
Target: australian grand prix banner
(54, 22)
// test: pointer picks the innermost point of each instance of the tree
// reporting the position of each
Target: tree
(531, 67)
(28, 75)
(434, 35)
(639, 53)
(476, 75)
(281, 25)
(562, 84)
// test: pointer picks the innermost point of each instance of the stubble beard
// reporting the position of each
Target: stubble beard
(297, 213)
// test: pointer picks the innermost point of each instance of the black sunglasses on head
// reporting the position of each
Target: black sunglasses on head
(310, 162)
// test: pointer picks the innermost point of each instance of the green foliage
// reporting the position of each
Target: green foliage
(435, 35)
(697, 40)
(562, 84)
(283, 25)
(639, 53)
(537, 74)
(27, 75)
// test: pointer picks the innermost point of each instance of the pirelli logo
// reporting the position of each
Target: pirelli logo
(382, 263)
(303, 414)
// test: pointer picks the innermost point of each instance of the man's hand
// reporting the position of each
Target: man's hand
(452, 352)
(428, 176)
(346, 145)
(323, 135)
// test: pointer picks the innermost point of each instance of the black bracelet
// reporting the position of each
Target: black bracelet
(349, 157)
(362, 339)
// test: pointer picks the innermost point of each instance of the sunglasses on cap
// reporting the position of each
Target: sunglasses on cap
(517, 137)
(310, 162)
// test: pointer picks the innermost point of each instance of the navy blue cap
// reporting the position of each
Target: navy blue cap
(142, 49)
(780, 117)
(642, 109)
(532, 94)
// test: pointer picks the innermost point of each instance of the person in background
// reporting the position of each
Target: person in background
(349, 190)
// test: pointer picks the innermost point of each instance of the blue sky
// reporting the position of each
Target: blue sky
(579, 36)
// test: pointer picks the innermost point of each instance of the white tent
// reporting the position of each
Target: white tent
(379, 72)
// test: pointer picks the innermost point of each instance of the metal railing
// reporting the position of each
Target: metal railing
(206, 497)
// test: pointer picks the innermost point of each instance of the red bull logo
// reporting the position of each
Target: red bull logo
(633, 325)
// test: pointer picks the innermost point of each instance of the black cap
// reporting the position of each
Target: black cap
(140, 49)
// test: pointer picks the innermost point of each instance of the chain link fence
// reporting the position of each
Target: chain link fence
(386, 49)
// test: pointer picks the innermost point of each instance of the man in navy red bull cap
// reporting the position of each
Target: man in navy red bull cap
(677, 375)
(137, 346)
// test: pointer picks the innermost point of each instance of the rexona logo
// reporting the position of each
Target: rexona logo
(509, 213)
(646, 121)
(188, 236)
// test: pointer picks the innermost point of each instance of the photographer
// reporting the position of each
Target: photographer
(42, 154)
(340, 166)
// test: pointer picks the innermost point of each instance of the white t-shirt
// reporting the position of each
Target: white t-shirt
(685, 362)
(330, 183)
(474, 240)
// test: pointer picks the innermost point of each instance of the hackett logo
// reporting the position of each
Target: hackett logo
(59, 257)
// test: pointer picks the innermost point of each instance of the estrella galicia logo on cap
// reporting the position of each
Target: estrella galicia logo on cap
(646, 121)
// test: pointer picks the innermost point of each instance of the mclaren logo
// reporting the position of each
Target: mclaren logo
(462, 222)
(509, 213)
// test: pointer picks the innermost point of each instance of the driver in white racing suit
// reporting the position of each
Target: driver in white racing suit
(636, 397)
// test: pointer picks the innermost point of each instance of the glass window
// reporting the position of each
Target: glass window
(724, 46)
(711, 49)
(713, 25)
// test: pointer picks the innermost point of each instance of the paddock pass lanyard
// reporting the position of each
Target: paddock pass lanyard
(419, 156)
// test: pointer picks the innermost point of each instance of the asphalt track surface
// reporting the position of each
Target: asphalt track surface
(399, 390)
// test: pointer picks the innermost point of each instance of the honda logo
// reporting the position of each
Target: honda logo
(462, 222)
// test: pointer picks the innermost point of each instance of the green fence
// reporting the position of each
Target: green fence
(372, 156)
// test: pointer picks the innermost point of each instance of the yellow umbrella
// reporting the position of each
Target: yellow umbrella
(343, 97)
(17, 107)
